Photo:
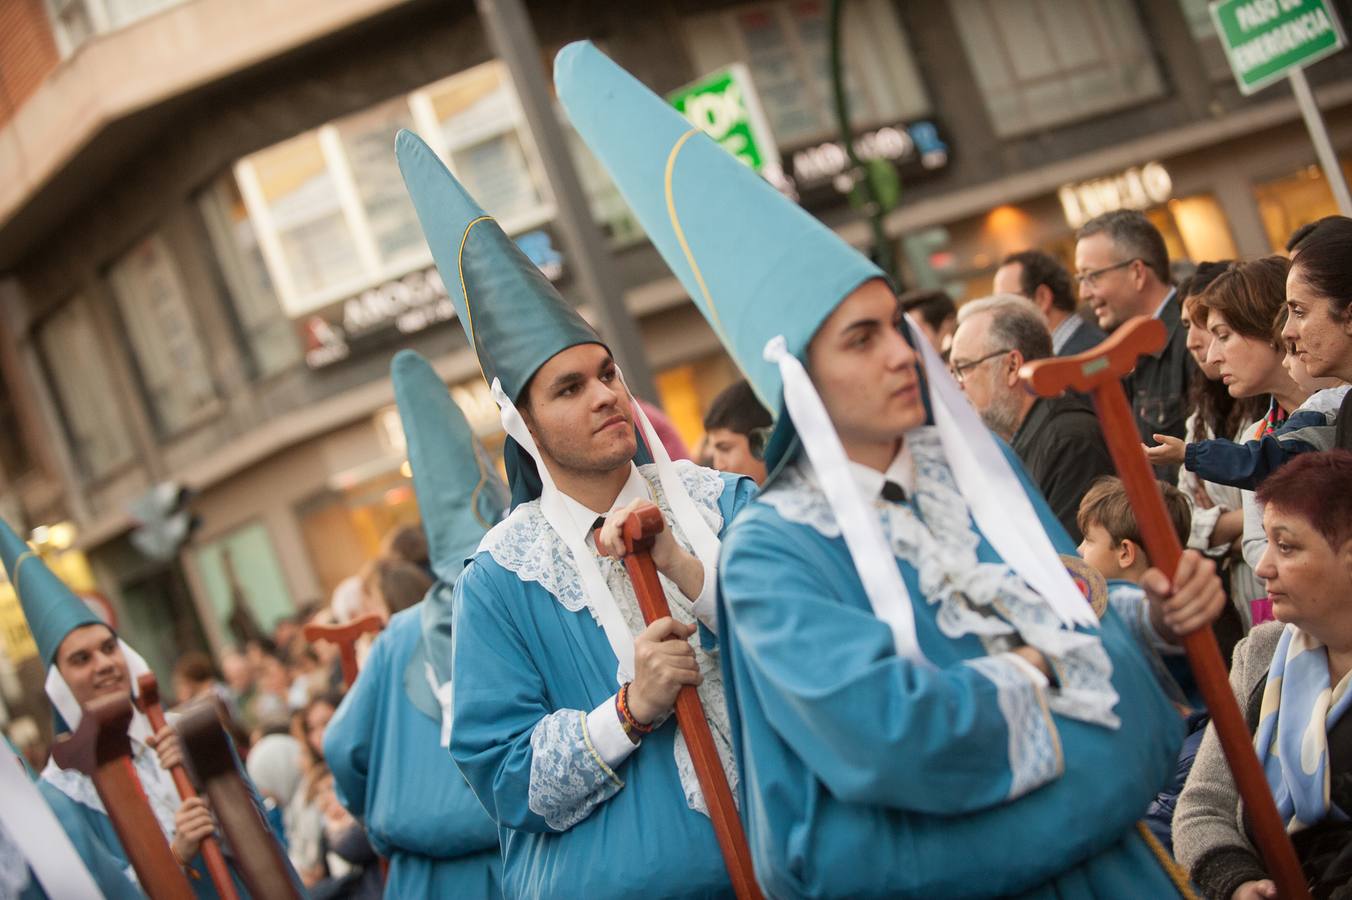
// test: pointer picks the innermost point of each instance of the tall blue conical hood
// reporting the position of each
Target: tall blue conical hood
(459, 493)
(51, 608)
(514, 318)
(754, 262)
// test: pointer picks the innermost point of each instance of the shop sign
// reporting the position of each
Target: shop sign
(914, 148)
(724, 105)
(405, 305)
(1139, 187)
(1265, 39)
(15, 637)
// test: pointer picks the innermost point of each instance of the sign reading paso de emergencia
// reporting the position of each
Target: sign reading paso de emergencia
(1265, 39)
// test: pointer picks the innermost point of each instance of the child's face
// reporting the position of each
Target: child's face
(1295, 367)
(1099, 550)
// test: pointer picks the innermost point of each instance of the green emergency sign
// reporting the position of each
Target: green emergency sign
(1265, 39)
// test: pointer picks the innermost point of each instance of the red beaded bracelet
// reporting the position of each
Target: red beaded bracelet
(631, 725)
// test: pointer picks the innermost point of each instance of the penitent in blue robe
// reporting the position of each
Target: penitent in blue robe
(530, 662)
(866, 775)
(392, 772)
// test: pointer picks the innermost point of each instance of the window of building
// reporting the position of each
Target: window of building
(1042, 63)
(1291, 201)
(786, 46)
(76, 21)
(328, 211)
(244, 582)
(164, 341)
(1203, 30)
(78, 371)
(268, 333)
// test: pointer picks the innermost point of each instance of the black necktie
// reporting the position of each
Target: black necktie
(600, 520)
(893, 492)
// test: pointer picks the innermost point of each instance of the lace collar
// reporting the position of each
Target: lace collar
(525, 545)
(935, 536)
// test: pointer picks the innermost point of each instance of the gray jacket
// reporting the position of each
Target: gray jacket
(1208, 828)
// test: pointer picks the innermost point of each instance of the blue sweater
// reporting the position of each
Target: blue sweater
(1307, 430)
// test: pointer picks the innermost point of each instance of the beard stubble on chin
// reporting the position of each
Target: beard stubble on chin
(583, 456)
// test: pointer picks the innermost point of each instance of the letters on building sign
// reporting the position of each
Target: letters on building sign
(918, 143)
(408, 305)
(1139, 187)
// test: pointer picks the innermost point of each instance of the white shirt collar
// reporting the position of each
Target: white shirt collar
(581, 519)
(901, 470)
(1065, 331)
(1167, 297)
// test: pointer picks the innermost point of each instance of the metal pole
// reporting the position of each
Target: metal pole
(1319, 135)
(513, 40)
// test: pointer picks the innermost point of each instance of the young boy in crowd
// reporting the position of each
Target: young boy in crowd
(1112, 545)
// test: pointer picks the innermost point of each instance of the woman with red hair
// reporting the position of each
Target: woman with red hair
(1292, 677)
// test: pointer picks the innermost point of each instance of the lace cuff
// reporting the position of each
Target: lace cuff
(568, 777)
(607, 734)
(1034, 744)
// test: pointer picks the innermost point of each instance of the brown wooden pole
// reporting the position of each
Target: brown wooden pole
(1099, 373)
(148, 701)
(261, 864)
(638, 532)
(345, 637)
(101, 749)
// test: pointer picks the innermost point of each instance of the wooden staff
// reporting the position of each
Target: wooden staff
(101, 749)
(345, 637)
(259, 858)
(1099, 373)
(637, 533)
(148, 701)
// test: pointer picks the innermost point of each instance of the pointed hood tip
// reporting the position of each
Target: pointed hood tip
(50, 607)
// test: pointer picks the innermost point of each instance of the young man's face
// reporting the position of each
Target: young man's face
(864, 370)
(579, 412)
(91, 662)
(731, 452)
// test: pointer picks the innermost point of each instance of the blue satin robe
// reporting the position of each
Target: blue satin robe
(392, 772)
(864, 775)
(521, 656)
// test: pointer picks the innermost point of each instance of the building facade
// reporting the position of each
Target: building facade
(207, 257)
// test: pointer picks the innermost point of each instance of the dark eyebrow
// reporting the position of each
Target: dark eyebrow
(860, 324)
(566, 380)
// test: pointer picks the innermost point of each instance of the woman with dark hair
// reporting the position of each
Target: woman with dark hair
(1292, 678)
(1218, 515)
(1318, 294)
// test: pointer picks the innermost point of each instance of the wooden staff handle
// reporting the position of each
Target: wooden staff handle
(261, 863)
(1099, 373)
(101, 749)
(345, 637)
(638, 532)
(148, 701)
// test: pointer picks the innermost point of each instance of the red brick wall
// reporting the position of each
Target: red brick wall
(27, 52)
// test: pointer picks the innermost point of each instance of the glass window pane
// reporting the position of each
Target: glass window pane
(786, 46)
(76, 364)
(164, 341)
(479, 124)
(302, 200)
(368, 140)
(267, 331)
(495, 172)
(1045, 62)
(124, 12)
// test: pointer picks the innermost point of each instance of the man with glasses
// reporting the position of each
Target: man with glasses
(1122, 267)
(1058, 440)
